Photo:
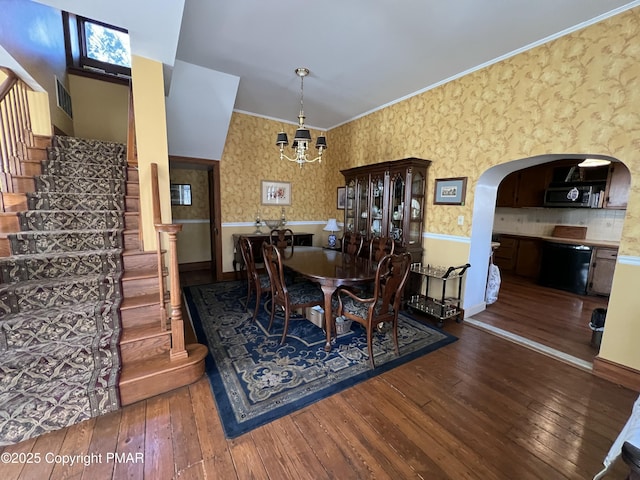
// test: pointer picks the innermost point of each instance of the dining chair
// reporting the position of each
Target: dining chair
(352, 243)
(255, 281)
(283, 239)
(290, 297)
(384, 304)
(381, 246)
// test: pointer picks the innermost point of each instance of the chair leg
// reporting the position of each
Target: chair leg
(395, 336)
(273, 312)
(370, 346)
(249, 289)
(255, 311)
(286, 324)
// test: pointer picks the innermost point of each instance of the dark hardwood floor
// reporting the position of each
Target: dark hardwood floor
(551, 317)
(480, 408)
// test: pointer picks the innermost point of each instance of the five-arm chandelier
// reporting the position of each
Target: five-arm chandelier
(302, 139)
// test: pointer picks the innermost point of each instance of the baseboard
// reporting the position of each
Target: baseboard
(193, 266)
(616, 373)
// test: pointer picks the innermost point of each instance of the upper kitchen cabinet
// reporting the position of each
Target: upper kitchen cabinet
(388, 199)
(616, 195)
(524, 188)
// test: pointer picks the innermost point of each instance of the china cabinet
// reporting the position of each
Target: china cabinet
(388, 199)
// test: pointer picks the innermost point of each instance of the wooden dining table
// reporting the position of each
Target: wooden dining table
(330, 269)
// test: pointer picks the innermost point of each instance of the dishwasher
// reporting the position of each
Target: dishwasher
(565, 266)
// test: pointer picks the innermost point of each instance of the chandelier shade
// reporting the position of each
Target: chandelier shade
(302, 137)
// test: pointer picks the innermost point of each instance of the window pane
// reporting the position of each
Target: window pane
(107, 45)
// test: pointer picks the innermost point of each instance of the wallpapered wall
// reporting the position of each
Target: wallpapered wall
(577, 94)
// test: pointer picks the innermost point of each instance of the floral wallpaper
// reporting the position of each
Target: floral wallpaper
(576, 94)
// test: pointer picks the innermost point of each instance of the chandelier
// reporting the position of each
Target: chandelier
(302, 139)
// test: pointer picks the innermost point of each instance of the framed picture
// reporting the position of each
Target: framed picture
(450, 191)
(276, 193)
(342, 197)
(180, 194)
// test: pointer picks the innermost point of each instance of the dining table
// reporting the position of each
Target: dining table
(330, 269)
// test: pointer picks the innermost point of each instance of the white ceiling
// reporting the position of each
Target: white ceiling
(363, 54)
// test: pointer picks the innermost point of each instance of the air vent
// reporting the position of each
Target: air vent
(63, 98)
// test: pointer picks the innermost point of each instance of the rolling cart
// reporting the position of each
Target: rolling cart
(439, 307)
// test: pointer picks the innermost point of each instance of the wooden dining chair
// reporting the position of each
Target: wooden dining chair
(283, 240)
(352, 243)
(380, 246)
(300, 294)
(384, 303)
(255, 281)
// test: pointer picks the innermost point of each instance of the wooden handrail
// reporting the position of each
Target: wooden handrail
(15, 129)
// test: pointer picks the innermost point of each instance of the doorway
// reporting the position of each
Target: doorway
(525, 311)
(199, 240)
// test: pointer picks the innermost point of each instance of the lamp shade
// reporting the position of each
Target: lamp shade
(332, 226)
(282, 139)
(594, 162)
(302, 134)
(321, 141)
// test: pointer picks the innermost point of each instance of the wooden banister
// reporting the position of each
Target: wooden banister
(178, 349)
(15, 129)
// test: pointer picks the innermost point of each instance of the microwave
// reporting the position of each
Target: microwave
(571, 195)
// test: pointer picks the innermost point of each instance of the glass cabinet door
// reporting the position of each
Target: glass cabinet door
(350, 207)
(416, 210)
(397, 208)
(377, 205)
(362, 212)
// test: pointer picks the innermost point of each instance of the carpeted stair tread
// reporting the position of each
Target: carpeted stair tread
(79, 184)
(52, 220)
(62, 167)
(20, 268)
(59, 324)
(65, 240)
(26, 415)
(75, 201)
(61, 292)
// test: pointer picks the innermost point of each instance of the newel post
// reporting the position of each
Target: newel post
(177, 323)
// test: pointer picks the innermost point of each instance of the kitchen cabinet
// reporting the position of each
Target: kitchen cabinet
(524, 188)
(603, 264)
(519, 255)
(388, 199)
(618, 182)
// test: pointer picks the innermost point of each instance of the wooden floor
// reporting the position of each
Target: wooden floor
(551, 317)
(481, 408)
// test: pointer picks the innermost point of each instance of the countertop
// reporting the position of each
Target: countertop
(570, 241)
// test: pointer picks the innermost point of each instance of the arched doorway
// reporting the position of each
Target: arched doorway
(480, 248)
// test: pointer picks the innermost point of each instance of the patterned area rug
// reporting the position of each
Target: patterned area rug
(255, 380)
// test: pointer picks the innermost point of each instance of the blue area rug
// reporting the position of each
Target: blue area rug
(255, 380)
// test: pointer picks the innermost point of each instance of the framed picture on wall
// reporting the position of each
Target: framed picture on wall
(450, 191)
(342, 197)
(180, 194)
(276, 193)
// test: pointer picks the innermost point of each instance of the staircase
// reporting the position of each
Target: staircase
(82, 329)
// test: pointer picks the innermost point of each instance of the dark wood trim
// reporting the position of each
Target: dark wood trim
(616, 373)
(194, 266)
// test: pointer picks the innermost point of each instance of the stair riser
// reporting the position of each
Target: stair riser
(133, 189)
(141, 262)
(9, 223)
(23, 184)
(14, 202)
(132, 240)
(145, 348)
(131, 222)
(132, 204)
(140, 286)
(139, 316)
(132, 175)
(32, 169)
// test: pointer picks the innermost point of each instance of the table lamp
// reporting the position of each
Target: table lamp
(332, 226)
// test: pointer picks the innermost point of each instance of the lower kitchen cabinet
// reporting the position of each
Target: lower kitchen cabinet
(603, 264)
(519, 255)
